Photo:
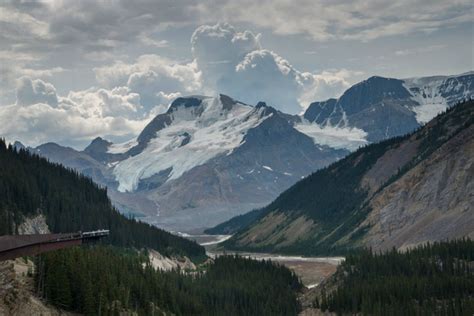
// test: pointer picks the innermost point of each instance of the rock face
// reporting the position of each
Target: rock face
(17, 293)
(34, 225)
(160, 262)
(432, 201)
(385, 107)
(398, 193)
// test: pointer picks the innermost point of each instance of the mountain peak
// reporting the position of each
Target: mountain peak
(98, 148)
(186, 102)
(18, 145)
(227, 102)
(260, 105)
(98, 144)
(264, 109)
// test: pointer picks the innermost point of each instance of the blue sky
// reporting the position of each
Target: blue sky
(73, 70)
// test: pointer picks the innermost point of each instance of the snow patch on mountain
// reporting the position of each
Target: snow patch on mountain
(425, 112)
(428, 95)
(336, 137)
(268, 168)
(212, 132)
(122, 147)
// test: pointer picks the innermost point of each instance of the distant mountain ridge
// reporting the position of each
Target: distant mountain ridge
(387, 107)
(210, 158)
(397, 193)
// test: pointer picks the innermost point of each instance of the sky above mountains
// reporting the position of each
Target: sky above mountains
(73, 70)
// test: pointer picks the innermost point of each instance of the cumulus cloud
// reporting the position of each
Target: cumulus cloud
(218, 48)
(325, 85)
(15, 65)
(263, 75)
(118, 102)
(153, 77)
(234, 63)
(35, 91)
(40, 115)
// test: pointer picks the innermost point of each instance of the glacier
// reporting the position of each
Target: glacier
(214, 132)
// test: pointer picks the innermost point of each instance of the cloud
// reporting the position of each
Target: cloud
(153, 77)
(234, 63)
(363, 20)
(325, 85)
(14, 65)
(147, 40)
(90, 25)
(39, 123)
(35, 91)
(218, 48)
(118, 102)
(101, 25)
(40, 115)
(17, 25)
(419, 50)
(263, 75)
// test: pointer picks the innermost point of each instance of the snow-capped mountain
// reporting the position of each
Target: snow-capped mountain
(199, 130)
(203, 161)
(210, 158)
(386, 107)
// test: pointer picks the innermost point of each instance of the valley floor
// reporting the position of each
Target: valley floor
(311, 270)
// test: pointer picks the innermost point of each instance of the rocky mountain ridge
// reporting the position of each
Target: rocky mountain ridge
(387, 107)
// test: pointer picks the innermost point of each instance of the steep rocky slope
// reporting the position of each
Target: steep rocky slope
(17, 292)
(397, 193)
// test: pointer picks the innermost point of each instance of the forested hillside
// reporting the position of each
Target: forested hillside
(434, 279)
(71, 202)
(235, 223)
(106, 281)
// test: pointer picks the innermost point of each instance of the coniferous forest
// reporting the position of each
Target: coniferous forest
(72, 202)
(433, 279)
(105, 281)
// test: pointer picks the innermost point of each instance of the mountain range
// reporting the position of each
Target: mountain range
(399, 193)
(208, 159)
